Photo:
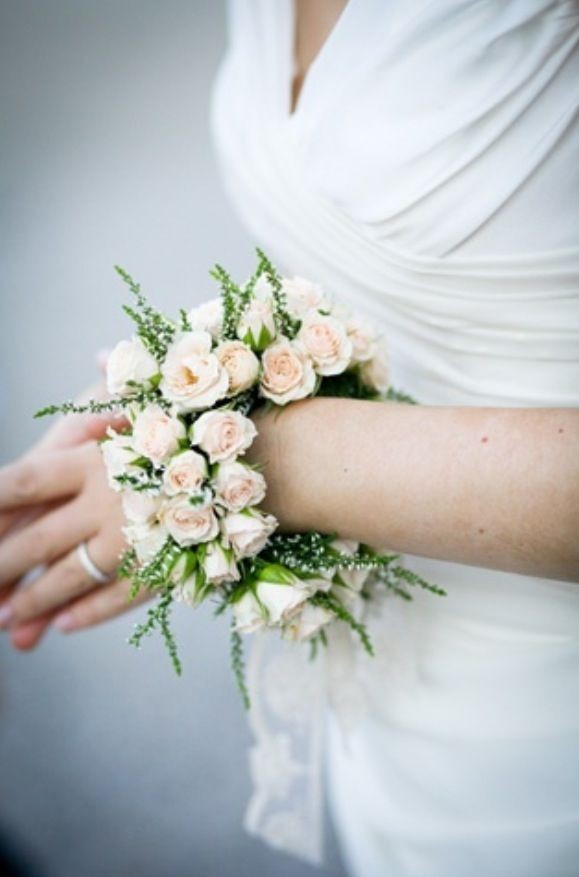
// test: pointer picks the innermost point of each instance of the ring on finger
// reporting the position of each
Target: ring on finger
(90, 567)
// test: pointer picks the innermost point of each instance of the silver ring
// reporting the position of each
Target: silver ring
(90, 568)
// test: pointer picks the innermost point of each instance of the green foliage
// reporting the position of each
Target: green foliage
(156, 573)
(392, 395)
(348, 385)
(140, 398)
(231, 298)
(285, 323)
(310, 553)
(158, 618)
(396, 577)
(138, 483)
(153, 328)
(328, 601)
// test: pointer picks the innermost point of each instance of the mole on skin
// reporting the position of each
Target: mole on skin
(485, 438)
(481, 530)
(561, 430)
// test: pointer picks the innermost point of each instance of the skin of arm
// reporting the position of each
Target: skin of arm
(489, 487)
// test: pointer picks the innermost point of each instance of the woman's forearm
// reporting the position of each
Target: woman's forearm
(489, 487)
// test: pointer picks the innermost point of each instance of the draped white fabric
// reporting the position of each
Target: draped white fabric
(430, 176)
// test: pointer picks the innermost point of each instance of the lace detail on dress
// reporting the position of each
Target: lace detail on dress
(287, 704)
(290, 696)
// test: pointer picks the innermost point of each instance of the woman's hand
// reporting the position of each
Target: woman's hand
(18, 518)
(70, 487)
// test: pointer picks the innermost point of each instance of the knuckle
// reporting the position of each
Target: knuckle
(38, 546)
(26, 482)
(29, 604)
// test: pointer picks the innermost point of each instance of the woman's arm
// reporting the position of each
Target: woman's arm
(490, 487)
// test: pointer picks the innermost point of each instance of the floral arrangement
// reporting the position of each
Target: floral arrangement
(195, 528)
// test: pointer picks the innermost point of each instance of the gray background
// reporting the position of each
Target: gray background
(109, 765)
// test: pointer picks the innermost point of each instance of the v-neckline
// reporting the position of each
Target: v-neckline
(291, 18)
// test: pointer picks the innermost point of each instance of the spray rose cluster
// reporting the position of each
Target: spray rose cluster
(194, 522)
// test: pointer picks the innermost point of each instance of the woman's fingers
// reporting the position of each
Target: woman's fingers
(100, 605)
(45, 539)
(42, 477)
(66, 579)
(27, 636)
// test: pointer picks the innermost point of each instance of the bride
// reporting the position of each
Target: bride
(420, 160)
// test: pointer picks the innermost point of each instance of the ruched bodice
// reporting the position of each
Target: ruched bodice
(440, 195)
(430, 177)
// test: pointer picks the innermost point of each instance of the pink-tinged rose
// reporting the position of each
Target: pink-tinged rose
(129, 362)
(193, 378)
(364, 339)
(237, 486)
(307, 623)
(240, 363)
(188, 523)
(374, 373)
(257, 324)
(288, 373)
(247, 532)
(185, 473)
(303, 296)
(219, 565)
(223, 435)
(207, 317)
(248, 614)
(327, 343)
(140, 507)
(156, 434)
(146, 539)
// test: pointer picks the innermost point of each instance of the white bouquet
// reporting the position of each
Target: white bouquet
(194, 527)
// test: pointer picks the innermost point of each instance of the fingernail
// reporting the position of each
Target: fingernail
(64, 622)
(5, 616)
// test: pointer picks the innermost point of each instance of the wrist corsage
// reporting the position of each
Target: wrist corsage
(195, 527)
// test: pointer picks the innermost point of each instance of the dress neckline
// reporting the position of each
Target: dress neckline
(291, 66)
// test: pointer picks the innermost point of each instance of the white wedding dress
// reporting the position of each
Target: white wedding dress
(430, 176)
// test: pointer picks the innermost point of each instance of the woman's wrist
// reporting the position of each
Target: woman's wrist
(289, 449)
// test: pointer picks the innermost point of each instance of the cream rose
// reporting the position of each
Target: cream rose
(374, 373)
(280, 601)
(129, 361)
(118, 456)
(303, 296)
(156, 434)
(288, 373)
(219, 565)
(326, 341)
(189, 588)
(223, 434)
(240, 363)
(363, 338)
(247, 532)
(189, 524)
(257, 325)
(238, 486)
(193, 378)
(307, 623)
(207, 317)
(185, 473)
(147, 539)
(248, 614)
(140, 507)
